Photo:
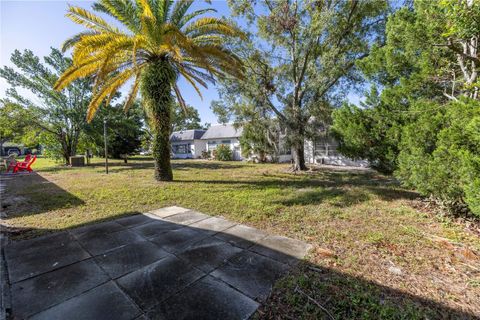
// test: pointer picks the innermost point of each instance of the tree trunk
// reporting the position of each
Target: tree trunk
(156, 90)
(66, 156)
(298, 155)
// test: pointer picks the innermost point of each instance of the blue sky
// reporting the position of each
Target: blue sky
(39, 25)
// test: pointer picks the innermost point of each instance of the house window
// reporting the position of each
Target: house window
(326, 147)
(181, 148)
(212, 145)
(226, 141)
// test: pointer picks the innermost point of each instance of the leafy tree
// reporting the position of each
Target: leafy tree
(159, 42)
(300, 60)
(260, 136)
(260, 132)
(185, 118)
(15, 123)
(60, 115)
(124, 131)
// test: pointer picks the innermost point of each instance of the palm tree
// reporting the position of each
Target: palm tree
(159, 42)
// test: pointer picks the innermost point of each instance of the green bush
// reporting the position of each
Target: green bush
(440, 153)
(223, 153)
(370, 134)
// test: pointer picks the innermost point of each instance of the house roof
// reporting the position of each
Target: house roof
(186, 135)
(222, 131)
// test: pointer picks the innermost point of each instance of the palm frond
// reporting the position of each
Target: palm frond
(110, 87)
(70, 42)
(190, 80)
(181, 7)
(204, 26)
(133, 92)
(158, 30)
(187, 18)
(89, 20)
(123, 10)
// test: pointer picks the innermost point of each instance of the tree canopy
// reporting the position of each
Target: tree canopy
(300, 60)
(60, 116)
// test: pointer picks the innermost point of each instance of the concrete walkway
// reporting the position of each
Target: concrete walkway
(171, 263)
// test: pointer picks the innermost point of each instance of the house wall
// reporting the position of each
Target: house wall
(284, 158)
(233, 143)
(198, 147)
(324, 151)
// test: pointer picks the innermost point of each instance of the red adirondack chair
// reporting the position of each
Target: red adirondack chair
(13, 163)
(25, 165)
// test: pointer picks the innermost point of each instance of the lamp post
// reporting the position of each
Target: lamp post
(105, 141)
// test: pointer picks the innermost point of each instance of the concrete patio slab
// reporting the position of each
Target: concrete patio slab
(48, 242)
(153, 284)
(242, 236)
(36, 294)
(283, 249)
(97, 229)
(209, 253)
(168, 211)
(106, 302)
(206, 299)
(187, 218)
(213, 224)
(45, 260)
(185, 265)
(134, 220)
(155, 228)
(251, 273)
(129, 258)
(178, 240)
(102, 243)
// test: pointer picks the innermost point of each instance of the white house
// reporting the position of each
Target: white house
(323, 150)
(225, 134)
(187, 144)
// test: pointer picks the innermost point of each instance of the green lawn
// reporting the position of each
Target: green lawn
(378, 253)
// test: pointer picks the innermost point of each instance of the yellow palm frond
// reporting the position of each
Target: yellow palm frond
(88, 19)
(154, 34)
(75, 72)
(133, 92)
(213, 25)
(110, 87)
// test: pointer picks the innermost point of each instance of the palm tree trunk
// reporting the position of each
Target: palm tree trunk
(156, 88)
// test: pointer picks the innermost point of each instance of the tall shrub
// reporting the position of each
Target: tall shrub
(440, 153)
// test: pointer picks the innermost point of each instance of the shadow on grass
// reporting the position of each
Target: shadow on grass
(30, 193)
(116, 166)
(238, 271)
